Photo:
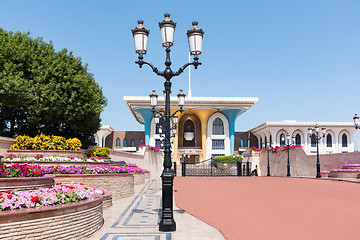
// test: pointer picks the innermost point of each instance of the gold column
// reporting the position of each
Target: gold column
(203, 115)
(176, 138)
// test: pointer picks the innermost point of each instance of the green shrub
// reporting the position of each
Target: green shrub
(98, 152)
(228, 158)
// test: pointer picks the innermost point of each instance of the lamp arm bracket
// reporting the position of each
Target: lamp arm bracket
(196, 63)
(155, 111)
(141, 62)
(179, 110)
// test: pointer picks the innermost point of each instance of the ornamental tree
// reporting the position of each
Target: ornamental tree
(44, 91)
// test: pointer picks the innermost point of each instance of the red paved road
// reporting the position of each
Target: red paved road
(268, 208)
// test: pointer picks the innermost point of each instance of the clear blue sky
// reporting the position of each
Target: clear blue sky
(301, 58)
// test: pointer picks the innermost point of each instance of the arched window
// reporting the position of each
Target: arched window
(328, 140)
(125, 142)
(298, 139)
(132, 142)
(344, 140)
(282, 140)
(189, 134)
(261, 143)
(241, 142)
(218, 127)
(313, 140)
(118, 142)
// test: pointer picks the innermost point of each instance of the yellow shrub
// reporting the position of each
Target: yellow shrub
(44, 142)
(98, 152)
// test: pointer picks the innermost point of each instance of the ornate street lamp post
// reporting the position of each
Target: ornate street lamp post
(317, 138)
(288, 155)
(356, 121)
(195, 36)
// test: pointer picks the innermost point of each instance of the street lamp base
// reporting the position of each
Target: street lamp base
(167, 225)
(318, 176)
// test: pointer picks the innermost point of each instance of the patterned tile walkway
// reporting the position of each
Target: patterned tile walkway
(137, 218)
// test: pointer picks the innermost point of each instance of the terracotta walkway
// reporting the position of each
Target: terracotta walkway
(268, 208)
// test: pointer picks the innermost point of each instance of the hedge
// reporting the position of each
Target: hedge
(228, 158)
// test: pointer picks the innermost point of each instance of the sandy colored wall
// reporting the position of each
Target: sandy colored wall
(148, 159)
(302, 164)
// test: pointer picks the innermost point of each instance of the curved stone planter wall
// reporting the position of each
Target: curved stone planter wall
(139, 178)
(147, 175)
(70, 221)
(58, 153)
(352, 167)
(119, 185)
(344, 174)
(26, 183)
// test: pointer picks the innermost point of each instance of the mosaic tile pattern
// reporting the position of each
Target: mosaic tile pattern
(142, 213)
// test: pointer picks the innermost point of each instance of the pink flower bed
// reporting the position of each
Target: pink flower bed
(59, 194)
(352, 165)
(150, 147)
(274, 149)
(345, 170)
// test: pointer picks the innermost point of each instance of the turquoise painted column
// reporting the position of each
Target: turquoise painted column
(147, 115)
(232, 115)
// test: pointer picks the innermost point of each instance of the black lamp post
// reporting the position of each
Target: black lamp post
(195, 36)
(356, 121)
(317, 138)
(288, 155)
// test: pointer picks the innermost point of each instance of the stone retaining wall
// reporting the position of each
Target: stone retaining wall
(48, 153)
(26, 183)
(343, 174)
(119, 185)
(139, 178)
(302, 164)
(63, 163)
(71, 221)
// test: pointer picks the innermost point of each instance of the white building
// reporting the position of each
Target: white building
(339, 137)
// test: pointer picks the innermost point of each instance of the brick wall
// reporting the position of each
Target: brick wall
(119, 185)
(75, 225)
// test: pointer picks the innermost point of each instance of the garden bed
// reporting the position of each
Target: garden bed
(120, 185)
(26, 183)
(77, 220)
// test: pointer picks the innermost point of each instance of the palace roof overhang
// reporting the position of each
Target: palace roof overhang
(191, 103)
(293, 123)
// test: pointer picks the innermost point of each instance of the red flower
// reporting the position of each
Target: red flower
(7, 191)
(9, 196)
(82, 184)
(34, 198)
(58, 183)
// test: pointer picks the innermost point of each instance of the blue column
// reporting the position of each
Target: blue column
(232, 115)
(147, 115)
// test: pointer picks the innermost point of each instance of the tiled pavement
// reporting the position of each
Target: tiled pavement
(137, 217)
